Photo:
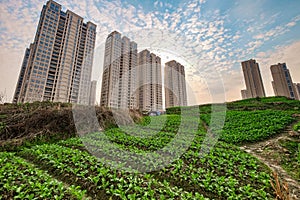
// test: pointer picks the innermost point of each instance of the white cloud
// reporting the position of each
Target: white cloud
(276, 31)
(288, 54)
(205, 42)
(290, 24)
(254, 45)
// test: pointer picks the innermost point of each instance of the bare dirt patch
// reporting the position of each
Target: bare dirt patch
(280, 154)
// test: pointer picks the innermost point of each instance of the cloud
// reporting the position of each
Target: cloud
(275, 32)
(205, 40)
(291, 24)
(288, 54)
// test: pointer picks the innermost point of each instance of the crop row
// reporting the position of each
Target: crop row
(148, 138)
(251, 126)
(21, 180)
(224, 172)
(100, 181)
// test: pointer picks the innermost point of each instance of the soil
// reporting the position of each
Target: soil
(273, 154)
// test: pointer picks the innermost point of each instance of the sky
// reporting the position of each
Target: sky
(209, 37)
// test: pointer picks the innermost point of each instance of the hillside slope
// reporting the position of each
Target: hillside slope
(115, 163)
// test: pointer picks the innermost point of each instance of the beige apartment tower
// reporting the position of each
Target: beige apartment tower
(58, 65)
(244, 94)
(119, 73)
(149, 81)
(253, 80)
(175, 85)
(93, 91)
(282, 81)
(297, 90)
(17, 97)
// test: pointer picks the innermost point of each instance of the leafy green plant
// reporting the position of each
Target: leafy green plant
(90, 174)
(2, 126)
(296, 126)
(225, 172)
(252, 126)
(21, 180)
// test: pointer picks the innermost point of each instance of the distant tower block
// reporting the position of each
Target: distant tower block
(282, 82)
(93, 91)
(119, 73)
(297, 89)
(253, 80)
(149, 81)
(175, 84)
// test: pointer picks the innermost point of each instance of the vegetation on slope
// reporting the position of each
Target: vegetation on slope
(44, 122)
(61, 164)
(22, 180)
(252, 126)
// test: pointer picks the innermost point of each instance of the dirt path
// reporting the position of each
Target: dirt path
(272, 154)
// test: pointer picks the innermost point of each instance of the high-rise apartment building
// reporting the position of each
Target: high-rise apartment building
(253, 80)
(244, 94)
(93, 91)
(119, 72)
(149, 81)
(297, 90)
(58, 64)
(175, 85)
(282, 82)
(22, 74)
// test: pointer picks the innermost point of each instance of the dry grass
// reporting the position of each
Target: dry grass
(281, 190)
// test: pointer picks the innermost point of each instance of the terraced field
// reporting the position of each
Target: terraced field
(69, 169)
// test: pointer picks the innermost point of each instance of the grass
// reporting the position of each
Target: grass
(296, 126)
(291, 162)
(3, 116)
(2, 126)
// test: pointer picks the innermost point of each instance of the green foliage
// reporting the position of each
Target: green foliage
(2, 126)
(251, 126)
(292, 162)
(21, 180)
(296, 126)
(274, 103)
(3, 116)
(174, 110)
(264, 100)
(265, 103)
(225, 172)
(99, 180)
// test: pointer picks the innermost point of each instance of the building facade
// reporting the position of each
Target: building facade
(22, 75)
(253, 80)
(282, 82)
(244, 94)
(119, 72)
(297, 90)
(93, 91)
(175, 85)
(59, 64)
(149, 81)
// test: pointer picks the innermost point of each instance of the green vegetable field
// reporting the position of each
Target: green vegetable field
(251, 126)
(68, 169)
